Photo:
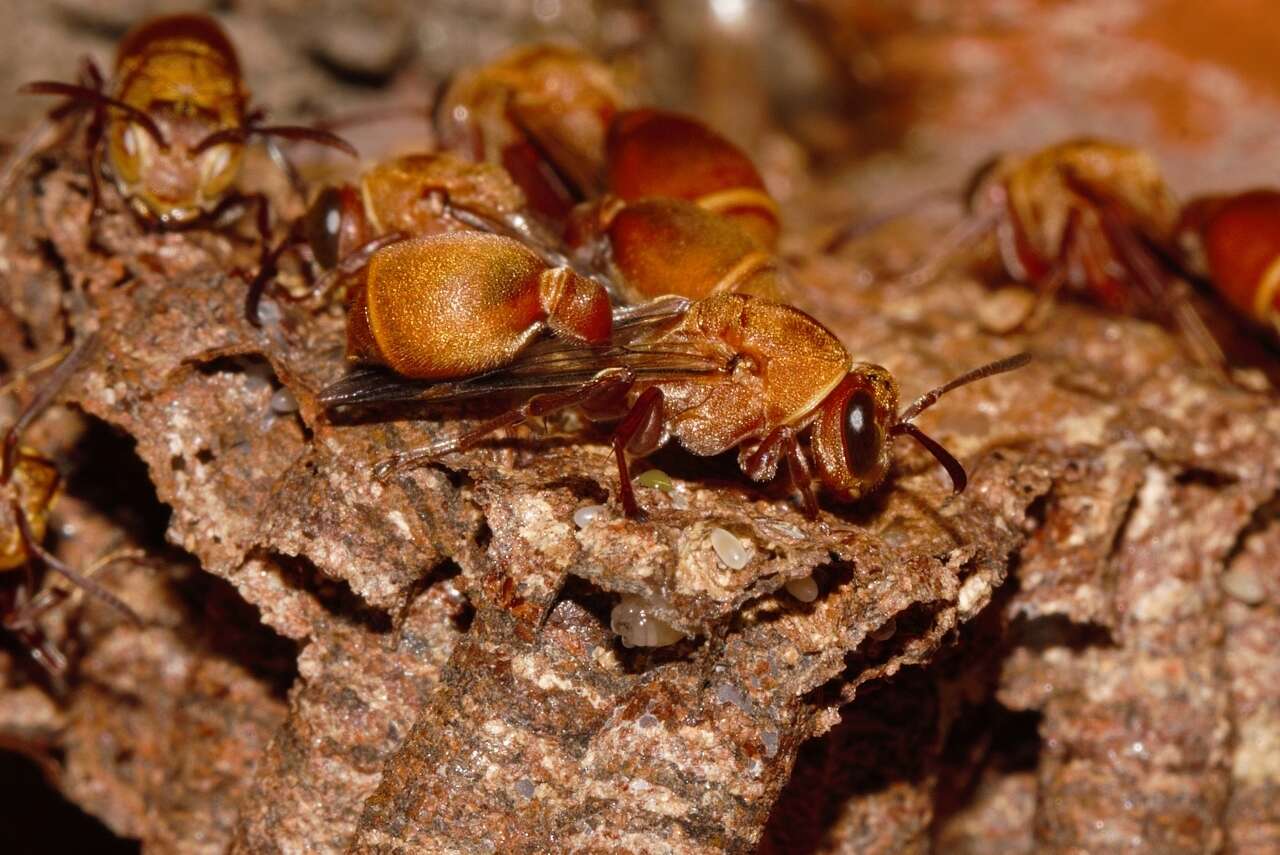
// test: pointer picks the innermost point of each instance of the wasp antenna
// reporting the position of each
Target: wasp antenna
(855, 231)
(959, 238)
(87, 584)
(288, 132)
(90, 96)
(437, 104)
(959, 478)
(928, 399)
(49, 389)
(226, 135)
(302, 133)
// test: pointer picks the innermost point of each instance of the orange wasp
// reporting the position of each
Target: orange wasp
(412, 195)
(173, 123)
(727, 371)
(29, 487)
(677, 209)
(668, 205)
(1234, 242)
(1091, 216)
(658, 153)
(540, 112)
(684, 212)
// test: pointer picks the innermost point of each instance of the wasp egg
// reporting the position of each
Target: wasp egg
(805, 589)
(1244, 585)
(634, 621)
(584, 517)
(735, 553)
(657, 479)
(283, 402)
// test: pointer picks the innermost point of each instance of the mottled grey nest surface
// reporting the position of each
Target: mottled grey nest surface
(1076, 653)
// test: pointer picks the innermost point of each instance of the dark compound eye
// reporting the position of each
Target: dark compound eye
(862, 439)
(324, 227)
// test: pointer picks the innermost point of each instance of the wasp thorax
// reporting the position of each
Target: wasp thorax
(851, 442)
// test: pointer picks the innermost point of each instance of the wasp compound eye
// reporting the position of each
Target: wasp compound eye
(862, 436)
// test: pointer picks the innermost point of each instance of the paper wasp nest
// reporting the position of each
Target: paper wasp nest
(1075, 653)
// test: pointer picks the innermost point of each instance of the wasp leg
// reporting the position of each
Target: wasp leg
(801, 475)
(780, 446)
(855, 230)
(1165, 296)
(42, 650)
(91, 586)
(1050, 284)
(286, 165)
(48, 391)
(962, 236)
(640, 431)
(604, 384)
(262, 225)
(354, 262)
(267, 269)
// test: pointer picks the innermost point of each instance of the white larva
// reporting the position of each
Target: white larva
(283, 402)
(636, 624)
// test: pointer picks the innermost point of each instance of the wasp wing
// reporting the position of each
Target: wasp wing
(550, 364)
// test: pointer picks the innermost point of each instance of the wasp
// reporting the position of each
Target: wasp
(413, 195)
(30, 484)
(1088, 216)
(652, 152)
(679, 210)
(658, 246)
(684, 212)
(440, 325)
(541, 112)
(1234, 242)
(172, 124)
(651, 202)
